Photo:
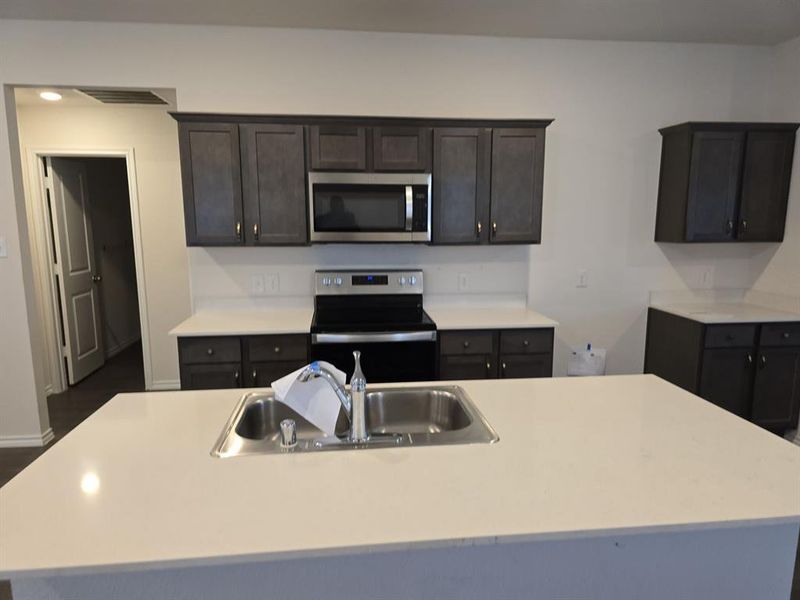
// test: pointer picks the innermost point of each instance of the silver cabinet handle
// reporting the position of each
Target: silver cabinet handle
(749, 359)
(744, 224)
(239, 229)
(255, 231)
(480, 228)
(236, 375)
(494, 227)
(503, 368)
(254, 374)
(763, 361)
(488, 367)
(729, 226)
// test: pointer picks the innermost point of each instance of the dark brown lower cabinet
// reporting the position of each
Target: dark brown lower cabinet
(230, 362)
(526, 365)
(478, 366)
(211, 376)
(749, 369)
(776, 395)
(492, 354)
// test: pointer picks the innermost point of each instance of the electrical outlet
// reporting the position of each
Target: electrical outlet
(583, 279)
(272, 283)
(257, 285)
(463, 282)
(3, 247)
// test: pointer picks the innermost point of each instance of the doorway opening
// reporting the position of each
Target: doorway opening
(91, 264)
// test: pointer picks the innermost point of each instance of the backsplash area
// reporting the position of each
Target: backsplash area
(247, 276)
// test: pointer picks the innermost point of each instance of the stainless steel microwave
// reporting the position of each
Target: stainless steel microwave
(369, 207)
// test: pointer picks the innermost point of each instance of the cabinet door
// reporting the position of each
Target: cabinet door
(776, 395)
(274, 184)
(714, 186)
(262, 374)
(338, 147)
(514, 366)
(467, 367)
(212, 187)
(765, 185)
(727, 379)
(461, 173)
(516, 188)
(211, 376)
(401, 149)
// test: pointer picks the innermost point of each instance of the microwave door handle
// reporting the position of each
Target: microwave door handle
(409, 206)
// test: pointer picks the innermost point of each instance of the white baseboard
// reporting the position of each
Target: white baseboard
(112, 352)
(27, 441)
(167, 384)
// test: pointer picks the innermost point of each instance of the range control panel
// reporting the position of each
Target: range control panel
(329, 283)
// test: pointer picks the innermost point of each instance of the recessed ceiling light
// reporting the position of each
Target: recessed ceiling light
(50, 96)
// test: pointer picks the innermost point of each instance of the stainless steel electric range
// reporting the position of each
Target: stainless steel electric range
(379, 313)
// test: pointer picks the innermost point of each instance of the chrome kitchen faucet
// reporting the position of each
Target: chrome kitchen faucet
(353, 402)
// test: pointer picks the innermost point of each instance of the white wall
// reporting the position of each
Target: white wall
(23, 407)
(152, 134)
(601, 169)
(782, 274)
(110, 213)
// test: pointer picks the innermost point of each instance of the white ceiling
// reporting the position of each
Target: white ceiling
(720, 21)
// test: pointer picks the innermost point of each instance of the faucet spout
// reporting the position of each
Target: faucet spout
(315, 370)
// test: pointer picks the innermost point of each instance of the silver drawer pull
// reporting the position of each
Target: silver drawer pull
(277, 349)
(210, 351)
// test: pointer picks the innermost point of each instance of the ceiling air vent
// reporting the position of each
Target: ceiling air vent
(124, 96)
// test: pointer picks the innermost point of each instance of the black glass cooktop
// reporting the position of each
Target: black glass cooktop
(349, 314)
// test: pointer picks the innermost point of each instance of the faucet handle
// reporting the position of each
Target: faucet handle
(358, 383)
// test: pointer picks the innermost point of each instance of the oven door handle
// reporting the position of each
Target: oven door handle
(365, 338)
(409, 207)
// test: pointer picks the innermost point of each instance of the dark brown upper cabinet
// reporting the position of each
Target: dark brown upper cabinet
(401, 149)
(516, 189)
(487, 185)
(338, 148)
(461, 175)
(212, 188)
(245, 177)
(274, 184)
(724, 182)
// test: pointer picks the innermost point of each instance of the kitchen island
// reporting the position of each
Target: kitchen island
(613, 487)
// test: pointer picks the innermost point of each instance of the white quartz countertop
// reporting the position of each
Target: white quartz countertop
(727, 312)
(134, 486)
(499, 317)
(263, 321)
(246, 322)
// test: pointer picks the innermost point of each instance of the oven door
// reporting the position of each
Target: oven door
(385, 357)
(369, 207)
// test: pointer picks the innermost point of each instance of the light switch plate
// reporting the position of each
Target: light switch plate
(3, 247)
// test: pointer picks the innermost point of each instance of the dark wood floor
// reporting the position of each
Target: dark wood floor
(123, 373)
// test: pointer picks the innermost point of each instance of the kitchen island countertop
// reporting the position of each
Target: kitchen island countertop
(134, 486)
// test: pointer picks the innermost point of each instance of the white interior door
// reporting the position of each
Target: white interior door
(80, 309)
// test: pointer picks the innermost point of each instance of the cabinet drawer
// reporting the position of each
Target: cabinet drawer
(472, 366)
(730, 336)
(201, 350)
(266, 348)
(467, 342)
(780, 334)
(526, 341)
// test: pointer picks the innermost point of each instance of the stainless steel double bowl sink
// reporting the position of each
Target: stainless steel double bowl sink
(396, 417)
